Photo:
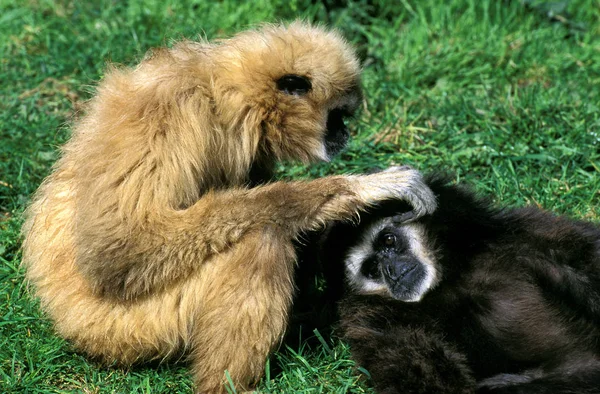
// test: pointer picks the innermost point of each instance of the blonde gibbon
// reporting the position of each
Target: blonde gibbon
(158, 232)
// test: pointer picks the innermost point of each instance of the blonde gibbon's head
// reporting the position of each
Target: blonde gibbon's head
(204, 115)
(298, 83)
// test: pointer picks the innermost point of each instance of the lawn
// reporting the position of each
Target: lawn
(503, 94)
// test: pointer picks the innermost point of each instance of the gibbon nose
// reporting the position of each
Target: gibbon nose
(397, 270)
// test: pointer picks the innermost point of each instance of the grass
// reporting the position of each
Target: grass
(505, 94)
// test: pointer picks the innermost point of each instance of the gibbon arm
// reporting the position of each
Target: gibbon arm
(410, 360)
(574, 288)
(139, 258)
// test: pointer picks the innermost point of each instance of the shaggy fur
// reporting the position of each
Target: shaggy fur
(513, 307)
(148, 238)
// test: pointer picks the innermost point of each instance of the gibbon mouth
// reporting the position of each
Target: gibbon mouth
(336, 134)
(403, 279)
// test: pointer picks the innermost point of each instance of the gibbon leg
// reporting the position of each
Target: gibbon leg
(244, 312)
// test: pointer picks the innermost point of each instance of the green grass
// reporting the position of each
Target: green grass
(498, 92)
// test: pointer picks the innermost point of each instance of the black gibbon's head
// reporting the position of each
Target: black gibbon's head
(392, 260)
(298, 83)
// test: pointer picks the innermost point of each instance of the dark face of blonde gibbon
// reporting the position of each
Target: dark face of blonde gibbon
(336, 133)
(326, 113)
(325, 130)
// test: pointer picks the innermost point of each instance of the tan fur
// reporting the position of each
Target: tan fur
(146, 240)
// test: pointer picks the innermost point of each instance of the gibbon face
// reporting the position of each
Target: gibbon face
(300, 84)
(392, 260)
(333, 135)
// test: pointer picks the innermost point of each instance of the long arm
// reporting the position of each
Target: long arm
(572, 287)
(127, 261)
(567, 262)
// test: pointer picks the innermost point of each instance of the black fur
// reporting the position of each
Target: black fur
(517, 309)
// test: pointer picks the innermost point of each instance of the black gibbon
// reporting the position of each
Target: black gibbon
(470, 299)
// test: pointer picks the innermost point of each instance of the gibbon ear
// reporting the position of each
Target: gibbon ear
(296, 85)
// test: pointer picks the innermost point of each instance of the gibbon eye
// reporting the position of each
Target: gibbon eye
(296, 85)
(389, 239)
